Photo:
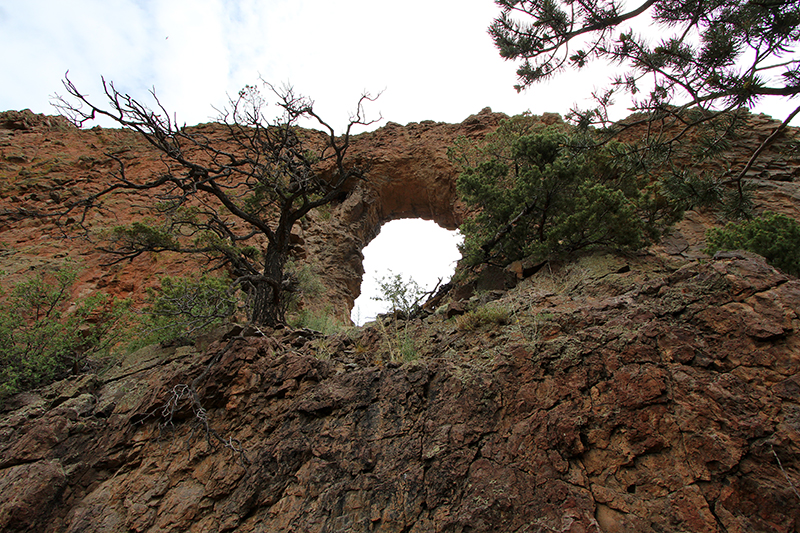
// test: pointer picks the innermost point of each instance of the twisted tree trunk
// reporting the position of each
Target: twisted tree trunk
(266, 302)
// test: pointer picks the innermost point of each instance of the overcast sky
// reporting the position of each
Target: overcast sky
(431, 59)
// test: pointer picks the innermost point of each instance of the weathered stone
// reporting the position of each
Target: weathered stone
(630, 393)
(28, 494)
(623, 432)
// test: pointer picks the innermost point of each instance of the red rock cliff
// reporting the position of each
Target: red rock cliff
(617, 393)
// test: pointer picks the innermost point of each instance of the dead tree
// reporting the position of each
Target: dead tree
(219, 192)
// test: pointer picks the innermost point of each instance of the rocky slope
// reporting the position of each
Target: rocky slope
(648, 392)
(616, 395)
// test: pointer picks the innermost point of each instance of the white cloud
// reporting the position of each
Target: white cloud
(433, 58)
(190, 56)
(47, 38)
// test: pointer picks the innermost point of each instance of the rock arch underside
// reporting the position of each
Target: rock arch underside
(643, 393)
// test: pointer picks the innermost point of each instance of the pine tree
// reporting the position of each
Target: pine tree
(542, 192)
(683, 63)
(698, 58)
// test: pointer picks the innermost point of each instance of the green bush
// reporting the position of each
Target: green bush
(183, 307)
(775, 237)
(538, 191)
(402, 295)
(45, 337)
(324, 323)
(141, 236)
(301, 284)
(399, 342)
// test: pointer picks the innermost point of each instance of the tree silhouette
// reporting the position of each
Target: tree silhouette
(232, 197)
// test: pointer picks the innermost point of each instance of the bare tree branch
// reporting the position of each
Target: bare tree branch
(258, 178)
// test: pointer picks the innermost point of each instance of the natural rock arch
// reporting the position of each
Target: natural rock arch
(409, 176)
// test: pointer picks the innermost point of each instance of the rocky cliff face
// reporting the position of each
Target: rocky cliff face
(46, 161)
(624, 397)
(616, 393)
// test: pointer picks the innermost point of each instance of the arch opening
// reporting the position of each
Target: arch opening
(414, 248)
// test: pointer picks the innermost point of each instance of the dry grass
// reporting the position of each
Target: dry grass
(487, 315)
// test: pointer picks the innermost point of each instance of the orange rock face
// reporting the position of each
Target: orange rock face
(635, 393)
(46, 161)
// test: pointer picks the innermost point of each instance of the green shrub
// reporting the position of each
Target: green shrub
(399, 342)
(405, 349)
(301, 283)
(183, 307)
(45, 337)
(141, 236)
(324, 323)
(402, 295)
(775, 237)
(541, 192)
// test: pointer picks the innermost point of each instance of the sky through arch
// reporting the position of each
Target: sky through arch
(415, 248)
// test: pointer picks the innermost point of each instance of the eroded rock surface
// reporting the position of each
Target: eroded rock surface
(638, 393)
(44, 161)
(631, 399)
